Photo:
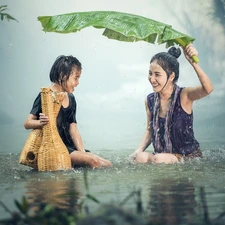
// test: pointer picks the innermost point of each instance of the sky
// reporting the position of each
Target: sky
(113, 84)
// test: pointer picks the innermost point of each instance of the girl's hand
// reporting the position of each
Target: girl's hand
(43, 119)
(189, 51)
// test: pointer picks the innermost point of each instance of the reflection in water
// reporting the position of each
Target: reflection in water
(55, 190)
(172, 202)
(171, 199)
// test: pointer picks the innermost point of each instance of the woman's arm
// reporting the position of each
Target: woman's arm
(75, 135)
(146, 139)
(206, 87)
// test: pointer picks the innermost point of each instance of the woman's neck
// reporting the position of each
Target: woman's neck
(166, 93)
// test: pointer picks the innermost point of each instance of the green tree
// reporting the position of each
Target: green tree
(4, 15)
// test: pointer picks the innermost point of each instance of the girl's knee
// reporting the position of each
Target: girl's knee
(107, 163)
(94, 162)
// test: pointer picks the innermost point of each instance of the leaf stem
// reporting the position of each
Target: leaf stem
(183, 44)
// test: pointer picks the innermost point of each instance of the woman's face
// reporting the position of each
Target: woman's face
(157, 76)
(73, 80)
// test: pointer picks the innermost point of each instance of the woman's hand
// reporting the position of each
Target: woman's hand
(132, 157)
(43, 119)
(189, 51)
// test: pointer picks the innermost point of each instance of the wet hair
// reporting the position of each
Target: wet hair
(168, 61)
(63, 66)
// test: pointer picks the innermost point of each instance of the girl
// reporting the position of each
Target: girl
(64, 75)
(169, 110)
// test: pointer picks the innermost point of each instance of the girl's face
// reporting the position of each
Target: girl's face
(157, 76)
(73, 80)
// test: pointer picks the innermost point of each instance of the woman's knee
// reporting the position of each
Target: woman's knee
(145, 157)
(141, 157)
(164, 158)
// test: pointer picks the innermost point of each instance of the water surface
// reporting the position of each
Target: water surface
(169, 194)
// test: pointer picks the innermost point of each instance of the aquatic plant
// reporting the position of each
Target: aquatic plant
(77, 213)
(48, 214)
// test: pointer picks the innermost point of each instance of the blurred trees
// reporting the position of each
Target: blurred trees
(4, 15)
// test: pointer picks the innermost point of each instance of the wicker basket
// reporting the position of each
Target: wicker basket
(44, 149)
(29, 153)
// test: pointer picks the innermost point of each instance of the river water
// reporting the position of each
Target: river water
(169, 194)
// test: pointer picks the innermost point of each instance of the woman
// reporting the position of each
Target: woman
(64, 75)
(169, 110)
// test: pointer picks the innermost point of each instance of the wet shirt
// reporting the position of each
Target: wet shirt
(181, 128)
(65, 117)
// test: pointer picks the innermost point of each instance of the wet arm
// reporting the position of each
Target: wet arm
(33, 123)
(145, 142)
(146, 139)
(206, 87)
(76, 137)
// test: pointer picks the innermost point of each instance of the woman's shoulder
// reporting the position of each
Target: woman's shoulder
(150, 97)
(150, 100)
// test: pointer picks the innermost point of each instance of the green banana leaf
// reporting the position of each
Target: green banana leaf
(118, 25)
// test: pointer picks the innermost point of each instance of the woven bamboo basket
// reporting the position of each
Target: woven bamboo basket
(44, 149)
(29, 152)
(53, 154)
